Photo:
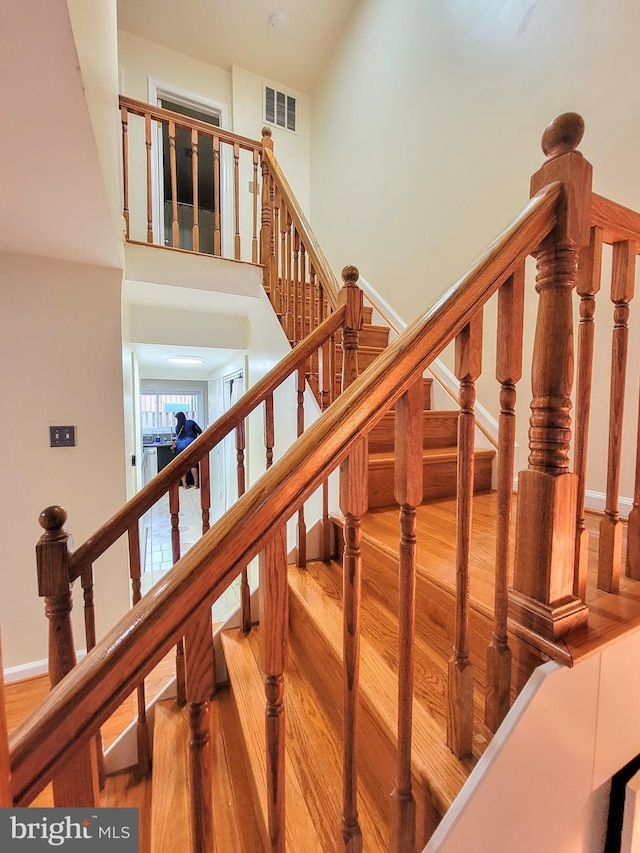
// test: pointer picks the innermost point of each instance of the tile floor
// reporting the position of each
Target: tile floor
(157, 555)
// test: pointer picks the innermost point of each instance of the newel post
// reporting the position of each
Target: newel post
(351, 297)
(266, 219)
(542, 597)
(76, 782)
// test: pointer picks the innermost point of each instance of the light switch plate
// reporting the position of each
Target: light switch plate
(62, 436)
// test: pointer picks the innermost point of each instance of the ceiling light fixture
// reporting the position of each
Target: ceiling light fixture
(185, 359)
(276, 22)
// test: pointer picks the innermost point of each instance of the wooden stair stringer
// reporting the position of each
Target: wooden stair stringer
(170, 824)
(438, 774)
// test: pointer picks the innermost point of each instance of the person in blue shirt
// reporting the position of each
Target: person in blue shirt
(186, 432)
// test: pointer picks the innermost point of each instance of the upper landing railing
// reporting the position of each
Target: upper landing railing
(185, 187)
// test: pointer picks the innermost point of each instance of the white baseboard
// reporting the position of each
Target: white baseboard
(32, 669)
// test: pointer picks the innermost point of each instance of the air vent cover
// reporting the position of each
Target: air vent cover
(279, 109)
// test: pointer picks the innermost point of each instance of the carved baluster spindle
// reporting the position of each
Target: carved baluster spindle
(314, 368)
(174, 510)
(326, 380)
(236, 198)
(408, 494)
(76, 782)
(266, 223)
(269, 430)
(542, 596)
(124, 117)
(273, 248)
(610, 543)
(588, 284)
(274, 621)
(89, 612)
(290, 326)
(276, 275)
(147, 141)
(632, 567)
(217, 243)
(142, 726)
(301, 528)
(353, 503)
(508, 373)
(194, 183)
(204, 478)
(468, 366)
(200, 687)
(245, 592)
(297, 289)
(254, 240)
(173, 174)
(305, 323)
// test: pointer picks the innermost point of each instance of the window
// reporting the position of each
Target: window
(279, 109)
(158, 411)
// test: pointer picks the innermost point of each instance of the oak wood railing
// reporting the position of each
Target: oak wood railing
(561, 226)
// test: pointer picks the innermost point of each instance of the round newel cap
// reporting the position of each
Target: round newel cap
(266, 131)
(563, 134)
(52, 518)
(350, 274)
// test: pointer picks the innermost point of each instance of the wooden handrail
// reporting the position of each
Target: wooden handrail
(88, 695)
(140, 108)
(301, 223)
(119, 523)
(617, 222)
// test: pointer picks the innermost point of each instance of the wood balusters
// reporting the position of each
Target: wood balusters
(147, 141)
(266, 220)
(217, 244)
(542, 598)
(245, 592)
(200, 688)
(236, 199)
(301, 527)
(588, 284)
(408, 493)
(468, 366)
(353, 504)
(508, 373)
(174, 510)
(76, 781)
(175, 225)
(254, 237)
(194, 183)
(274, 639)
(142, 727)
(204, 480)
(89, 612)
(124, 118)
(610, 541)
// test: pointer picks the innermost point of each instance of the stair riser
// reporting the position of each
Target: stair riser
(377, 748)
(439, 480)
(439, 429)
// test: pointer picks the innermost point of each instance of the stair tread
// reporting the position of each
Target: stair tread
(386, 457)
(441, 771)
(248, 690)
(310, 743)
(170, 827)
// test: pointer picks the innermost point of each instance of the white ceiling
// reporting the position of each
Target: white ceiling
(238, 32)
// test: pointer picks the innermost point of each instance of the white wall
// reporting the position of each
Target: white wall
(62, 364)
(542, 784)
(426, 129)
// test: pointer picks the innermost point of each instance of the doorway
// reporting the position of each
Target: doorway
(214, 115)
